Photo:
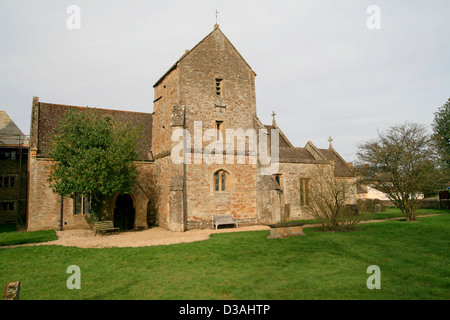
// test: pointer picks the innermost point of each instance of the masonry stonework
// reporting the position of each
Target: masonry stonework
(210, 89)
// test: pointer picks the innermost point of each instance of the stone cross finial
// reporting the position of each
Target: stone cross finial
(330, 141)
(273, 115)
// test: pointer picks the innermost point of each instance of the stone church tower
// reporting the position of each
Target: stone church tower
(210, 88)
(203, 153)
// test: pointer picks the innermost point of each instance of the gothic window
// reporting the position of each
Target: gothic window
(304, 192)
(219, 87)
(220, 180)
(82, 203)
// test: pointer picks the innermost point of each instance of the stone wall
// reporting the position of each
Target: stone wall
(44, 206)
(191, 84)
(291, 173)
(239, 198)
(216, 58)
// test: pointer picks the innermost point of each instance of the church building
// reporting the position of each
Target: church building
(204, 153)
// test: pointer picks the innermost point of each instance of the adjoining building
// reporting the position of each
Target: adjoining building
(13, 172)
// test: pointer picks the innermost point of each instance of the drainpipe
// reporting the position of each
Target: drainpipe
(184, 172)
(61, 215)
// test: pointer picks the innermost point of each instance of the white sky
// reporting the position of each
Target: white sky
(318, 65)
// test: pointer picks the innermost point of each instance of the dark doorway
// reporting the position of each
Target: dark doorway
(124, 212)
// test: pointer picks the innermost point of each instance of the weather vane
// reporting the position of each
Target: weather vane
(217, 13)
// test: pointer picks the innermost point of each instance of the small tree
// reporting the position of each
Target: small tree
(93, 154)
(399, 162)
(441, 129)
(328, 201)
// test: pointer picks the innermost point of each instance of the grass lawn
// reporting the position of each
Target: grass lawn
(414, 260)
(8, 236)
(391, 212)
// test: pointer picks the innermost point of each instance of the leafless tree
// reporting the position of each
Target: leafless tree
(328, 200)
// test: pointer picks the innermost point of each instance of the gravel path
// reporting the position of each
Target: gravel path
(150, 237)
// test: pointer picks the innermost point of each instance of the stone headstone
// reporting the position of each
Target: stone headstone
(377, 208)
(12, 291)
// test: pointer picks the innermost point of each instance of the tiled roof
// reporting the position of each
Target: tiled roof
(296, 155)
(51, 115)
(341, 168)
(290, 154)
(281, 139)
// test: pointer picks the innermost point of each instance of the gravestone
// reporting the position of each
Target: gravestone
(286, 230)
(377, 208)
(12, 291)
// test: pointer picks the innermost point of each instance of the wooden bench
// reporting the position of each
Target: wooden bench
(101, 226)
(224, 220)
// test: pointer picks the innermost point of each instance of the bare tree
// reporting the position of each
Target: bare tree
(329, 198)
(399, 162)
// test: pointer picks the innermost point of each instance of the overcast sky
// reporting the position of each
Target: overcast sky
(318, 64)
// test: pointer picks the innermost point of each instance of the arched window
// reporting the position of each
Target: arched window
(220, 180)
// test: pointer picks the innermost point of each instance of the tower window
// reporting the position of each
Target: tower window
(220, 180)
(219, 87)
(219, 128)
(278, 179)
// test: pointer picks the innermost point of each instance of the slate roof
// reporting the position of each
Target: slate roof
(51, 115)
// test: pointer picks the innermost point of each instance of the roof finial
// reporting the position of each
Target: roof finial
(330, 140)
(216, 25)
(273, 116)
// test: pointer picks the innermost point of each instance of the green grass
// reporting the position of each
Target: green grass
(13, 238)
(391, 212)
(11, 227)
(413, 258)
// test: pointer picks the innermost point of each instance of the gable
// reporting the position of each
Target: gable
(214, 42)
(341, 168)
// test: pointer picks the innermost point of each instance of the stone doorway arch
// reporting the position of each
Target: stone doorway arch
(124, 212)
